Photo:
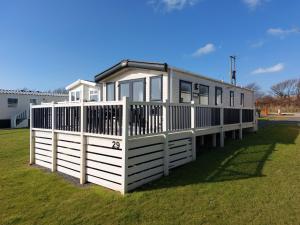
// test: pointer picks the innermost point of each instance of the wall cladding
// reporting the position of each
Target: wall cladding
(180, 152)
(104, 162)
(43, 149)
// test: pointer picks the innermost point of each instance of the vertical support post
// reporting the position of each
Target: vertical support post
(214, 140)
(193, 126)
(166, 137)
(233, 134)
(241, 125)
(254, 120)
(32, 138)
(82, 143)
(54, 142)
(125, 121)
(222, 127)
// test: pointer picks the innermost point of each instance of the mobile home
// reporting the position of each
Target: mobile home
(14, 105)
(144, 122)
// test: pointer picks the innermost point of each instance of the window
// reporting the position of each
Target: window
(156, 88)
(231, 98)
(12, 102)
(94, 95)
(33, 101)
(203, 94)
(133, 89)
(242, 99)
(124, 90)
(138, 90)
(110, 92)
(75, 96)
(218, 96)
(185, 91)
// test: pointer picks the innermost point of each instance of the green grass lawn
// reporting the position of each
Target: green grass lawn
(254, 181)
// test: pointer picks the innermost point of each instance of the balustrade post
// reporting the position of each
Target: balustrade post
(54, 142)
(82, 143)
(125, 127)
(222, 127)
(193, 126)
(166, 137)
(32, 138)
(241, 125)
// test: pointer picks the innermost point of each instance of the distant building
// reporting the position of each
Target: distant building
(14, 105)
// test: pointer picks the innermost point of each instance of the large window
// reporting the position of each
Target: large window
(203, 94)
(94, 95)
(218, 96)
(231, 98)
(110, 92)
(133, 89)
(12, 102)
(156, 88)
(185, 91)
(242, 99)
(75, 96)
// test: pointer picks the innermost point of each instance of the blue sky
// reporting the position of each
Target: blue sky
(49, 44)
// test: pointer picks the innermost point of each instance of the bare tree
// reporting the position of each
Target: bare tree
(258, 93)
(60, 91)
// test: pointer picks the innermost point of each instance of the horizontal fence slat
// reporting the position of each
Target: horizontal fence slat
(144, 181)
(43, 146)
(104, 175)
(144, 158)
(67, 171)
(43, 164)
(145, 150)
(104, 151)
(68, 158)
(66, 144)
(72, 166)
(145, 174)
(68, 137)
(68, 151)
(102, 158)
(104, 167)
(144, 166)
(43, 158)
(104, 183)
(43, 152)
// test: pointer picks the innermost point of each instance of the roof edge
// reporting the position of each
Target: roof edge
(131, 64)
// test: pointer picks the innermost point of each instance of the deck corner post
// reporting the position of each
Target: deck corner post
(255, 128)
(193, 126)
(54, 147)
(125, 121)
(222, 127)
(82, 144)
(241, 125)
(166, 137)
(32, 148)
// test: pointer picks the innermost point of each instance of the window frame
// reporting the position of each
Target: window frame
(130, 82)
(94, 94)
(12, 105)
(216, 97)
(199, 85)
(161, 90)
(231, 103)
(114, 92)
(191, 84)
(242, 103)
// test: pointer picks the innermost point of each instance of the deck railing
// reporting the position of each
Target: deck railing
(143, 118)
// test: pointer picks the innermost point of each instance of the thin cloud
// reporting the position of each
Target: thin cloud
(257, 44)
(253, 4)
(206, 49)
(171, 5)
(279, 32)
(273, 69)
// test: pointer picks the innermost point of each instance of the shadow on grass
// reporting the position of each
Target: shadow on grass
(239, 159)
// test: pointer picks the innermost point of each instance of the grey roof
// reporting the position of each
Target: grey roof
(25, 92)
(131, 64)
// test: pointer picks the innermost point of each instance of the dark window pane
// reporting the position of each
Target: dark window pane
(185, 91)
(12, 102)
(218, 96)
(203, 94)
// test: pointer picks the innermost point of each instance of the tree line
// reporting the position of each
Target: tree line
(284, 95)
